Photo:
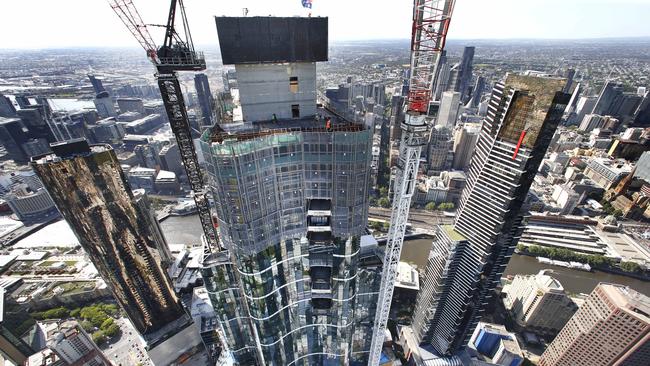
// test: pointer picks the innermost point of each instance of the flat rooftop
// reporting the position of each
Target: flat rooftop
(453, 234)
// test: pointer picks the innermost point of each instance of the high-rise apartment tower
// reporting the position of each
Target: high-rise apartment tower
(298, 283)
(122, 238)
(467, 260)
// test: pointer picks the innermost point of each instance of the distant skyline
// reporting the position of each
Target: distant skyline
(91, 23)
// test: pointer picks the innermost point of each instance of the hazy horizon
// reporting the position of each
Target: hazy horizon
(40, 24)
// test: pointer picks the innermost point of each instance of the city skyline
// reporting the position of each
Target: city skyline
(530, 20)
(234, 207)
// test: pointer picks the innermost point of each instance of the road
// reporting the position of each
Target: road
(417, 218)
(128, 350)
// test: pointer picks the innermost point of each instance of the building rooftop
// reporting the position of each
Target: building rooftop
(453, 234)
(628, 299)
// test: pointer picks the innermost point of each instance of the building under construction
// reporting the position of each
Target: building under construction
(298, 283)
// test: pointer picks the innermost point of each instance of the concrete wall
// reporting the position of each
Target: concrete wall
(264, 90)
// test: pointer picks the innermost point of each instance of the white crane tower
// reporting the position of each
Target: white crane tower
(430, 24)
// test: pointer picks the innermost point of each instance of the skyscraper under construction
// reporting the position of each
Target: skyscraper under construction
(122, 238)
(467, 259)
(298, 281)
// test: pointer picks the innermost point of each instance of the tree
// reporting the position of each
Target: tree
(55, 313)
(385, 226)
(112, 330)
(87, 326)
(384, 202)
(630, 267)
(107, 323)
(99, 337)
(521, 248)
(383, 192)
(431, 206)
(74, 313)
(446, 206)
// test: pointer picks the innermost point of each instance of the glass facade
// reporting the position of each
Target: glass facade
(122, 240)
(467, 261)
(294, 287)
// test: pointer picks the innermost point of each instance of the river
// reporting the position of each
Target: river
(187, 230)
(416, 252)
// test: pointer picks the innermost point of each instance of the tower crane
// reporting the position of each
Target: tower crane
(431, 20)
(176, 54)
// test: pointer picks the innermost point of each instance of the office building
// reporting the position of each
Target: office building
(298, 283)
(584, 106)
(35, 118)
(642, 114)
(591, 122)
(538, 303)
(442, 81)
(439, 150)
(477, 92)
(131, 105)
(612, 327)
(123, 242)
(170, 159)
(497, 344)
(104, 105)
(448, 112)
(12, 136)
(206, 102)
(31, 206)
(74, 346)
(7, 108)
(97, 84)
(464, 78)
(467, 260)
(613, 101)
(465, 138)
(606, 172)
(643, 167)
(13, 350)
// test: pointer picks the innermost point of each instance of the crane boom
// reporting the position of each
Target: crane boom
(430, 24)
(176, 54)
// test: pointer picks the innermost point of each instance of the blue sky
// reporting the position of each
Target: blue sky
(69, 23)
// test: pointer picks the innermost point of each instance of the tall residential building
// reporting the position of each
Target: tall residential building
(74, 346)
(467, 260)
(465, 69)
(539, 303)
(205, 98)
(122, 240)
(448, 112)
(612, 327)
(298, 283)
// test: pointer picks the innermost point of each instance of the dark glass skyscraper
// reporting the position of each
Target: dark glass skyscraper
(465, 70)
(122, 240)
(205, 98)
(467, 259)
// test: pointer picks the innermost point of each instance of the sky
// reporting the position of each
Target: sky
(92, 23)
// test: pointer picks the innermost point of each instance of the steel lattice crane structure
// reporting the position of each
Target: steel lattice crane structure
(431, 20)
(176, 54)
